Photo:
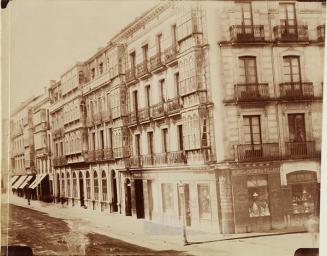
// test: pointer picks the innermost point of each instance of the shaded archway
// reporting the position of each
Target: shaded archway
(114, 191)
(128, 196)
(81, 188)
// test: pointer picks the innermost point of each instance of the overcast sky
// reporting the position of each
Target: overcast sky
(47, 37)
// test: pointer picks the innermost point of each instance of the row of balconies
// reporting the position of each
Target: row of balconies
(156, 64)
(287, 91)
(154, 112)
(59, 161)
(282, 33)
(272, 151)
(107, 154)
(98, 118)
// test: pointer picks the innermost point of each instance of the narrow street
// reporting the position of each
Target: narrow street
(51, 236)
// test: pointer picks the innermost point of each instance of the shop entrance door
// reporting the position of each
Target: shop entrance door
(128, 205)
(81, 188)
(139, 199)
(184, 201)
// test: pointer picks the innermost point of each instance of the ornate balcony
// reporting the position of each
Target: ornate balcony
(58, 133)
(148, 160)
(257, 152)
(251, 92)
(321, 33)
(158, 110)
(176, 157)
(97, 118)
(107, 154)
(156, 64)
(59, 161)
(297, 33)
(142, 71)
(90, 156)
(106, 116)
(89, 121)
(305, 149)
(190, 85)
(247, 33)
(132, 118)
(130, 76)
(160, 159)
(144, 115)
(135, 161)
(121, 152)
(170, 56)
(99, 155)
(173, 106)
(296, 91)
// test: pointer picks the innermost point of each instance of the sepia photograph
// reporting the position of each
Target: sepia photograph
(182, 128)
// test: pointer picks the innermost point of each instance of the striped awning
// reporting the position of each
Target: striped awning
(14, 179)
(25, 183)
(19, 181)
(38, 180)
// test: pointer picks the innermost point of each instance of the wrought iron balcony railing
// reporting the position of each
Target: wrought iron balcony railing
(176, 157)
(142, 70)
(130, 75)
(97, 118)
(170, 55)
(156, 62)
(160, 159)
(106, 116)
(144, 115)
(121, 152)
(91, 156)
(305, 149)
(132, 118)
(251, 92)
(148, 160)
(107, 154)
(257, 152)
(288, 33)
(173, 105)
(99, 155)
(158, 110)
(190, 85)
(135, 161)
(247, 33)
(296, 90)
(321, 33)
(89, 120)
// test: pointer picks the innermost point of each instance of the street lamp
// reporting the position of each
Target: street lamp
(181, 188)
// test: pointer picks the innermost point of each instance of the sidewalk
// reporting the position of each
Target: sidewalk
(137, 231)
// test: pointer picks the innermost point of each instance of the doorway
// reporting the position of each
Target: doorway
(128, 205)
(114, 191)
(58, 188)
(184, 201)
(139, 199)
(81, 188)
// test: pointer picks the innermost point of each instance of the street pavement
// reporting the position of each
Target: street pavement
(54, 229)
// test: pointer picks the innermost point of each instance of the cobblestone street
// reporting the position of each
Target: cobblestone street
(51, 236)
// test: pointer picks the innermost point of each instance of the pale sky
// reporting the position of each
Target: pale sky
(47, 37)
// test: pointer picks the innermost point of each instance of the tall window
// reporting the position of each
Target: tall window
(137, 144)
(135, 101)
(167, 198)
(75, 193)
(173, 35)
(101, 140)
(180, 137)
(292, 69)
(165, 140)
(96, 185)
(109, 142)
(148, 96)
(104, 187)
(296, 126)
(162, 90)
(248, 70)
(158, 43)
(132, 60)
(204, 201)
(258, 196)
(246, 16)
(88, 186)
(150, 143)
(93, 140)
(63, 184)
(287, 11)
(252, 130)
(68, 185)
(176, 81)
(145, 52)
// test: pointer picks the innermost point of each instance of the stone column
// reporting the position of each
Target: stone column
(146, 199)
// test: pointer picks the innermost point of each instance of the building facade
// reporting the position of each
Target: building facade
(211, 110)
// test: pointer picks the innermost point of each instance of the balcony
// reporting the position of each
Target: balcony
(148, 160)
(257, 152)
(99, 154)
(89, 121)
(59, 161)
(132, 118)
(170, 56)
(173, 106)
(251, 92)
(247, 33)
(304, 149)
(107, 154)
(296, 33)
(58, 133)
(130, 76)
(144, 115)
(90, 156)
(121, 152)
(135, 161)
(142, 71)
(176, 157)
(97, 118)
(158, 110)
(296, 91)
(190, 85)
(160, 159)
(106, 116)
(156, 64)
(321, 33)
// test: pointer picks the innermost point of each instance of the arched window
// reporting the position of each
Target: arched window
(96, 185)
(63, 184)
(104, 187)
(75, 194)
(88, 185)
(68, 185)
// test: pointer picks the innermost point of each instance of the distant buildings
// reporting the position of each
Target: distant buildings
(211, 106)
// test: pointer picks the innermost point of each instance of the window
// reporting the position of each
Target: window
(92, 73)
(96, 185)
(101, 142)
(248, 70)
(148, 96)
(68, 185)
(204, 201)
(258, 196)
(109, 138)
(252, 130)
(132, 60)
(287, 12)
(291, 69)
(296, 126)
(167, 198)
(93, 141)
(101, 68)
(88, 186)
(180, 137)
(204, 133)
(158, 43)
(165, 140)
(173, 35)
(75, 193)
(176, 80)
(162, 90)
(145, 52)
(104, 187)
(150, 143)
(246, 16)
(137, 144)
(135, 101)
(63, 184)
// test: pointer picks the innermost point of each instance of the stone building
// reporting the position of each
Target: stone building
(210, 110)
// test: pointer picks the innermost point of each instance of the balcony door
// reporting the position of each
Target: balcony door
(246, 18)
(252, 137)
(297, 135)
(137, 144)
(288, 19)
(135, 102)
(248, 77)
(292, 75)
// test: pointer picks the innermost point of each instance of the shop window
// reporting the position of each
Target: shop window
(75, 193)
(68, 185)
(104, 187)
(167, 198)
(258, 196)
(204, 201)
(88, 186)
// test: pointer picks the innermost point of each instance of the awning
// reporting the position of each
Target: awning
(24, 184)
(14, 179)
(38, 180)
(19, 181)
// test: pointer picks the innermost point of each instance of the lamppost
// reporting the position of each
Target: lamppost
(181, 188)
